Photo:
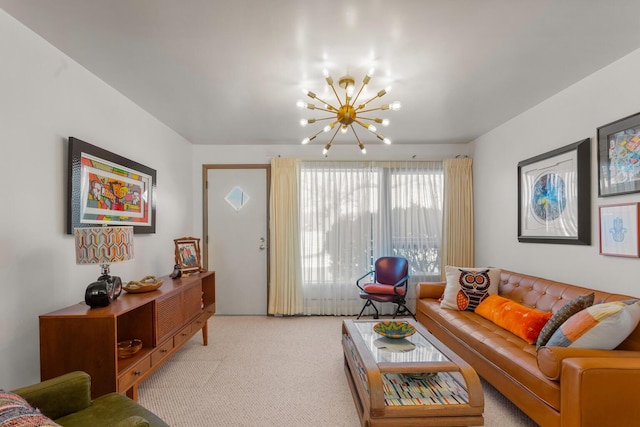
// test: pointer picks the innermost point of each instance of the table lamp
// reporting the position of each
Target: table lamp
(104, 246)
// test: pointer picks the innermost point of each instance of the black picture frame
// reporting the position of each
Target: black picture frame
(104, 188)
(619, 157)
(554, 197)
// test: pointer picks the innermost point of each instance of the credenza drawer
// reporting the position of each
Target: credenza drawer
(161, 352)
(200, 322)
(134, 374)
(183, 335)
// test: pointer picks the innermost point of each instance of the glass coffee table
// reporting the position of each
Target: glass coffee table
(413, 381)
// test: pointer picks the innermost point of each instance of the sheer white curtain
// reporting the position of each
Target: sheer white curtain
(351, 213)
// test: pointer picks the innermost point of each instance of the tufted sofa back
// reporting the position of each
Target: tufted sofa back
(548, 295)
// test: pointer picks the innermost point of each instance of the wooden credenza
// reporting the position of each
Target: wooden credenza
(80, 338)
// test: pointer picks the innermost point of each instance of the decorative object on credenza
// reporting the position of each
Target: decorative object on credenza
(128, 348)
(104, 246)
(619, 157)
(619, 226)
(348, 111)
(107, 189)
(554, 197)
(188, 254)
(177, 272)
(146, 284)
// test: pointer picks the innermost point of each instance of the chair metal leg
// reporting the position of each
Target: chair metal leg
(403, 309)
(367, 304)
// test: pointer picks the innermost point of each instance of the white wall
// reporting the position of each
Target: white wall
(45, 97)
(569, 116)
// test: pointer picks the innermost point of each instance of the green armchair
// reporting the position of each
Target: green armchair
(67, 400)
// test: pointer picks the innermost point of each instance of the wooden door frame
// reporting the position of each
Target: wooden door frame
(205, 210)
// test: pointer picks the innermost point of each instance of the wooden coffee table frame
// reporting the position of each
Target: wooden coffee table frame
(370, 404)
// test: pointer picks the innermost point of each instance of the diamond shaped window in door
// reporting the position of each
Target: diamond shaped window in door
(237, 198)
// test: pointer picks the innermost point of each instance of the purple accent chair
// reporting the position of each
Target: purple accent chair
(389, 284)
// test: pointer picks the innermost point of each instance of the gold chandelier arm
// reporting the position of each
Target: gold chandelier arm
(377, 95)
(381, 108)
(360, 144)
(366, 126)
(314, 96)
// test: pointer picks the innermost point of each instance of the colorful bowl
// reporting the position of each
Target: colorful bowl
(394, 329)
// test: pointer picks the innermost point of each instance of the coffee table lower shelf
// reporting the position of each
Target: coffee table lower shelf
(389, 394)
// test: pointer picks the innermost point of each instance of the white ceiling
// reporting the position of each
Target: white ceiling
(230, 72)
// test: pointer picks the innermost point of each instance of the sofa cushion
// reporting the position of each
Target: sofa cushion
(467, 286)
(523, 321)
(109, 410)
(562, 315)
(601, 326)
(16, 412)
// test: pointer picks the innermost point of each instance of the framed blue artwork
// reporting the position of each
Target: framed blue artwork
(554, 196)
(619, 230)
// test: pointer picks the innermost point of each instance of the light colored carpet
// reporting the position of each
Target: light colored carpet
(265, 371)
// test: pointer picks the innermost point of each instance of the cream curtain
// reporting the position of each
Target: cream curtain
(285, 292)
(457, 236)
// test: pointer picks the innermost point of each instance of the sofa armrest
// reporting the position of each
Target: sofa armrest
(550, 359)
(59, 396)
(598, 391)
(430, 290)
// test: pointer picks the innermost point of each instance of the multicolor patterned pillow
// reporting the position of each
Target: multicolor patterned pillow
(467, 287)
(601, 326)
(562, 315)
(522, 321)
(16, 412)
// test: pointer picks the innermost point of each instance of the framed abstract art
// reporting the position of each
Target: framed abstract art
(554, 196)
(619, 157)
(107, 189)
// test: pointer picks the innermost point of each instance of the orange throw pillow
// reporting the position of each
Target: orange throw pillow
(523, 321)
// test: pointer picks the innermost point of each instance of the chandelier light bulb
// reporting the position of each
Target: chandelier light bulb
(387, 141)
(304, 122)
(395, 106)
(325, 72)
(350, 89)
(361, 146)
(305, 141)
(327, 128)
(385, 122)
(372, 128)
(371, 72)
(344, 129)
(301, 104)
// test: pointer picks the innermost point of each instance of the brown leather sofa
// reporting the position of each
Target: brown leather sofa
(554, 386)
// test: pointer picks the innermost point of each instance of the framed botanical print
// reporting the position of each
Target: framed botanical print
(554, 197)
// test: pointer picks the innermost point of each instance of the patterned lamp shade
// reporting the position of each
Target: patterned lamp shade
(103, 245)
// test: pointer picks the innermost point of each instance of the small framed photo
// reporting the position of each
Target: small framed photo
(619, 230)
(188, 254)
(554, 200)
(619, 157)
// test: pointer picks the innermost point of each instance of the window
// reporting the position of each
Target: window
(351, 213)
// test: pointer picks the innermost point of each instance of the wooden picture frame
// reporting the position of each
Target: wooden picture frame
(187, 254)
(554, 196)
(619, 157)
(104, 188)
(619, 226)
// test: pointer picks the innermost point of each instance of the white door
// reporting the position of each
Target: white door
(237, 207)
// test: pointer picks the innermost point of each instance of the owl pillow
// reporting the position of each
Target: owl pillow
(467, 287)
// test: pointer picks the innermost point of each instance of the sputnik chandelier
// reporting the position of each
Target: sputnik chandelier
(347, 112)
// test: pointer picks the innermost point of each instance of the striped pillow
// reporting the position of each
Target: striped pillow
(601, 326)
(16, 412)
